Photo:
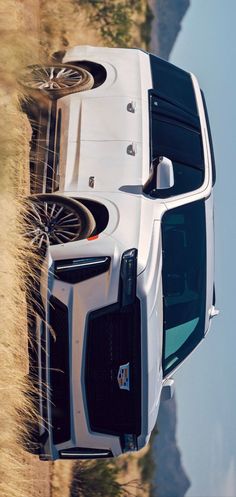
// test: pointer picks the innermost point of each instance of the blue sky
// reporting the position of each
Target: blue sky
(206, 385)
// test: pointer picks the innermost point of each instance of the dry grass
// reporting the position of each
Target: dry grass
(128, 475)
(18, 47)
(130, 472)
(60, 24)
(65, 24)
(61, 477)
(20, 475)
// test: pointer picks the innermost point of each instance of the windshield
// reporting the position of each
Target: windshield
(184, 281)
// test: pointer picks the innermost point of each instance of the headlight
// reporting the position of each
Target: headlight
(128, 277)
(77, 270)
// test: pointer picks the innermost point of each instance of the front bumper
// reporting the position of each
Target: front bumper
(79, 352)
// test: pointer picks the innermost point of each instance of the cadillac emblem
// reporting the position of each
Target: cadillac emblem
(123, 377)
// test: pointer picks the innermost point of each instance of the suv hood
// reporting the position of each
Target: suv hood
(105, 145)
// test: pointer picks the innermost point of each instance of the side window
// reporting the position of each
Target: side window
(184, 281)
(176, 141)
(183, 145)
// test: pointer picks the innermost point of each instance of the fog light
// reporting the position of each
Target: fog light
(128, 442)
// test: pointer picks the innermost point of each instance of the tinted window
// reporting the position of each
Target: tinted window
(176, 141)
(184, 281)
(173, 83)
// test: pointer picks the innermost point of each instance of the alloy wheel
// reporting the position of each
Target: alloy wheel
(53, 223)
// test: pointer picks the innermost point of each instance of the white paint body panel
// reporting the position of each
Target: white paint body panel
(100, 128)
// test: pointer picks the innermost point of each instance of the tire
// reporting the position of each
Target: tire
(56, 80)
(53, 219)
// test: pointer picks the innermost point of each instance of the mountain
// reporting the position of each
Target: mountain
(170, 479)
(166, 24)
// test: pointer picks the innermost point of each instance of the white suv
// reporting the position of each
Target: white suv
(122, 174)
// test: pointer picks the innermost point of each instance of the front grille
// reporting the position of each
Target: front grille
(59, 371)
(114, 340)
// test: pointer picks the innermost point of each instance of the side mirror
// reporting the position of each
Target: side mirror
(165, 174)
(167, 390)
